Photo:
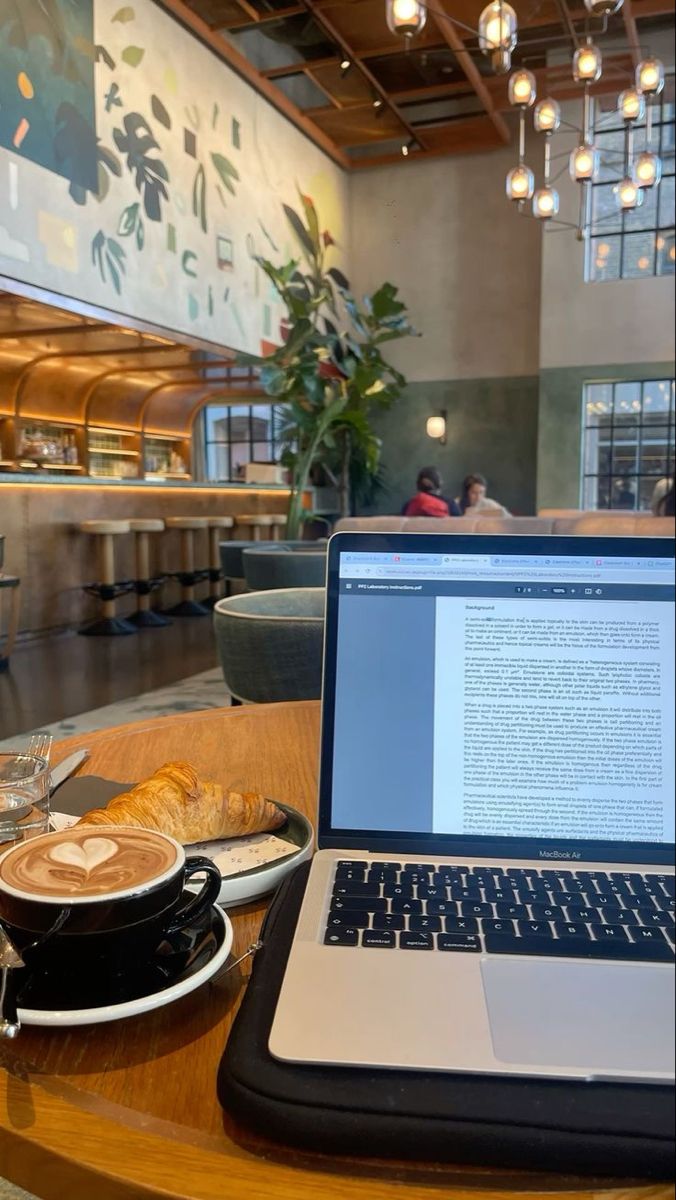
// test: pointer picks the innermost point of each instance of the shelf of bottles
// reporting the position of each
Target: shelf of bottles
(112, 454)
(48, 446)
(165, 457)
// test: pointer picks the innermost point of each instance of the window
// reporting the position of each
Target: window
(638, 243)
(628, 442)
(237, 434)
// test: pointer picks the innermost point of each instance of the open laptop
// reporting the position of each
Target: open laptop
(494, 885)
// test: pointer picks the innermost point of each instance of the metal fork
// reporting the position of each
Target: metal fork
(40, 746)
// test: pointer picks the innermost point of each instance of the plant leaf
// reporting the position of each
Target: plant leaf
(133, 55)
(339, 279)
(312, 222)
(299, 230)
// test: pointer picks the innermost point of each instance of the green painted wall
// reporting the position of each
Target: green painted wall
(492, 428)
(560, 425)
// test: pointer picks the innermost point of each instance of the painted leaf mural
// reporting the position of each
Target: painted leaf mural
(77, 147)
(199, 197)
(150, 173)
(227, 172)
(123, 15)
(109, 257)
(133, 55)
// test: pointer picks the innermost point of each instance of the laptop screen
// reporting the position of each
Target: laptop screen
(495, 691)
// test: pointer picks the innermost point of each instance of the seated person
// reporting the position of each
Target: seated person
(665, 507)
(473, 499)
(662, 489)
(428, 500)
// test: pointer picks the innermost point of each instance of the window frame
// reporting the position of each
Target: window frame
(229, 442)
(637, 477)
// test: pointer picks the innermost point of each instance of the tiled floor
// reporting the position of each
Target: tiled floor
(8, 1191)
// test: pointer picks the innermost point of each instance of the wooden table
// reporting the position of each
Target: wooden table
(129, 1110)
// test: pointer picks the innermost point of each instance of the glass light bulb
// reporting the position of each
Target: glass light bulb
(631, 105)
(584, 163)
(497, 27)
(648, 169)
(406, 17)
(436, 427)
(545, 203)
(547, 116)
(603, 8)
(629, 194)
(520, 183)
(650, 76)
(587, 64)
(522, 89)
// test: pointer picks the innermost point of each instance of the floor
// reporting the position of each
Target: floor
(53, 678)
(9, 1191)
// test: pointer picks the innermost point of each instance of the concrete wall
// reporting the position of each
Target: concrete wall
(466, 264)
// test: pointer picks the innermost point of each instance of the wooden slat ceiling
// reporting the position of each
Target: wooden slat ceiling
(438, 95)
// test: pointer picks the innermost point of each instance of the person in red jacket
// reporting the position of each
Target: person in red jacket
(428, 500)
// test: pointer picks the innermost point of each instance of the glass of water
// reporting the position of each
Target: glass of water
(24, 797)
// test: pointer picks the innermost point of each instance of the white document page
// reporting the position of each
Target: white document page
(554, 719)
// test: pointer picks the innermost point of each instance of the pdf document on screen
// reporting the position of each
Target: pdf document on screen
(554, 719)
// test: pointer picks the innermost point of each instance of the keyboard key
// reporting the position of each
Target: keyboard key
(469, 909)
(564, 929)
(413, 877)
(425, 924)
(609, 931)
(536, 929)
(361, 903)
(512, 911)
(401, 905)
(611, 948)
(641, 934)
(388, 921)
(416, 941)
(356, 873)
(656, 918)
(446, 876)
(575, 899)
(352, 864)
(349, 918)
(498, 926)
(379, 937)
(548, 912)
(422, 868)
(500, 896)
(353, 887)
(461, 925)
(440, 908)
(341, 937)
(610, 887)
(668, 904)
(616, 916)
(537, 897)
(464, 893)
(387, 866)
(376, 875)
(402, 890)
(427, 891)
(458, 941)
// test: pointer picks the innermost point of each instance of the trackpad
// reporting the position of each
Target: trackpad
(593, 1016)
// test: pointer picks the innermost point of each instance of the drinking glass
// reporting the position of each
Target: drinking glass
(24, 797)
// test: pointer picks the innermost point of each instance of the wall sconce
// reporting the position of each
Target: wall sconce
(436, 427)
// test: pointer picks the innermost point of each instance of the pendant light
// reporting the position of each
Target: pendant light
(546, 203)
(498, 28)
(406, 18)
(628, 194)
(547, 116)
(584, 163)
(631, 105)
(648, 169)
(603, 8)
(587, 63)
(522, 89)
(650, 76)
(520, 183)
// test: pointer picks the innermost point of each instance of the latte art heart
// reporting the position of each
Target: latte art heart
(87, 856)
(78, 863)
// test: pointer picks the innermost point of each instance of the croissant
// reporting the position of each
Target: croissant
(175, 801)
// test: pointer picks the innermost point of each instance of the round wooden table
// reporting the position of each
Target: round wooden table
(129, 1110)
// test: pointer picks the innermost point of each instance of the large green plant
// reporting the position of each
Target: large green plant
(329, 375)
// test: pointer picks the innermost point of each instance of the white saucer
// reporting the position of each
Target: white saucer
(52, 1019)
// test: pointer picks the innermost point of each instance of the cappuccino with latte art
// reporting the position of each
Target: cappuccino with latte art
(78, 863)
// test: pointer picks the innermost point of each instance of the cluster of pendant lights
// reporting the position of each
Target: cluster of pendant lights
(640, 172)
(497, 33)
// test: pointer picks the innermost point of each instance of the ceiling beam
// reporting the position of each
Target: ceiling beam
(325, 23)
(631, 30)
(467, 65)
(249, 73)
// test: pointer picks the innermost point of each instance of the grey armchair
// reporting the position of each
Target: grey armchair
(270, 644)
(285, 568)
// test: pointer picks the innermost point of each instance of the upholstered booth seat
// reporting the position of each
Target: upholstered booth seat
(232, 563)
(270, 644)
(286, 568)
(596, 524)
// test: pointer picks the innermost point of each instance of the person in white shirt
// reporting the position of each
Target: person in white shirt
(474, 499)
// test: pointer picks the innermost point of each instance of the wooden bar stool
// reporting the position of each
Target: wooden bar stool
(12, 584)
(256, 523)
(278, 526)
(217, 527)
(145, 585)
(107, 590)
(188, 576)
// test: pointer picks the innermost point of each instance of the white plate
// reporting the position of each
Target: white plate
(56, 1018)
(258, 881)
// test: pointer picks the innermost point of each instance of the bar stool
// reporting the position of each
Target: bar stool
(12, 584)
(107, 590)
(188, 576)
(278, 526)
(144, 586)
(256, 523)
(216, 536)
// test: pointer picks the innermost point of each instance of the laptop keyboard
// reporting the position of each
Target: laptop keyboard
(490, 909)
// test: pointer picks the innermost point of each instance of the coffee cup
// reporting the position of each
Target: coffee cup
(105, 893)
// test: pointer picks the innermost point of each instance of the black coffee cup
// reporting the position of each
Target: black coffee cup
(120, 928)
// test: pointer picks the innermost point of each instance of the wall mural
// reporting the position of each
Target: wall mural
(138, 173)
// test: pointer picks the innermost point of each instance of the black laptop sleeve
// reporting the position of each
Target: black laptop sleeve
(610, 1130)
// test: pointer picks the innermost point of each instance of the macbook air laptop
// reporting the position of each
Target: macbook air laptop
(494, 885)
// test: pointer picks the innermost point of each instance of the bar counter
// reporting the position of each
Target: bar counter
(39, 518)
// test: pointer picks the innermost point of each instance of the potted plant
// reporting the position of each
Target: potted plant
(329, 379)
